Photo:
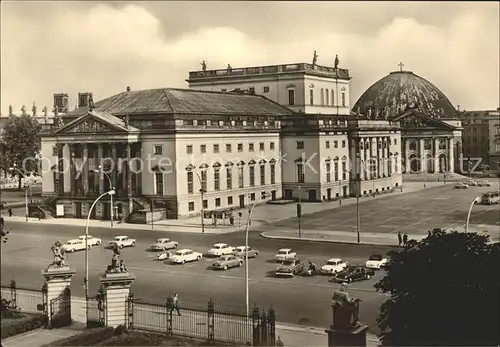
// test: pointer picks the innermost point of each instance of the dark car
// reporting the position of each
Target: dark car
(354, 273)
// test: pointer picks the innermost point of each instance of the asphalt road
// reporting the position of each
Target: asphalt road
(300, 300)
(412, 213)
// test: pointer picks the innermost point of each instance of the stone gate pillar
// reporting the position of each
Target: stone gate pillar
(116, 286)
(58, 291)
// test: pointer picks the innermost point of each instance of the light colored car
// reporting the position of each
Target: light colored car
(333, 266)
(471, 183)
(74, 245)
(286, 254)
(460, 185)
(376, 262)
(290, 268)
(163, 244)
(484, 184)
(91, 240)
(220, 249)
(240, 252)
(183, 256)
(227, 261)
(122, 241)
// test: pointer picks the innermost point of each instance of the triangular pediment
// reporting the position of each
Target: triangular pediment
(94, 123)
(416, 120)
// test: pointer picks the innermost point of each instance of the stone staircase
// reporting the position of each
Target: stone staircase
(139, 204)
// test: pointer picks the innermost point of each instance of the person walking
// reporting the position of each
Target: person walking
(405, 239)
(175, 304)
(10, 212)
(400, 238)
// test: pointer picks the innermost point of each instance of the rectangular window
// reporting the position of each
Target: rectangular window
(291, 97)
(266, 89)
(252, 197)
(229, 177)
(189, 149)
(216, 148)
(240, 147)
(335, 144)
(262, 174)
(228, 148)
(273, 174)
(55, 151)
(343, 143)
(158, 149)
(159, 183)
(241, 182)
(327, 144)
(250, 147)
(204, 180)
(311, 97)
(336, 171)
(300, 144)
(217, 178)
(203, 148)
(271, 146)
(252, 176)
(343, 99)
(300, 173)
(251, 90)
(262, 146)
(191, 206)
(230, 200)
(205, 203)
(328, 172)
(332, 101)
(327, 97)
(190, 182)
(217, 202)
(344, 171)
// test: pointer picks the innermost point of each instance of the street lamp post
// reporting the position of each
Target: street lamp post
(202, 192)
(99, 169)
(86, 279)
(14, 168)
(476, 200)
(299, 212)
(247, 290)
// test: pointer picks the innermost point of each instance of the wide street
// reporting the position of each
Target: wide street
(298, 300)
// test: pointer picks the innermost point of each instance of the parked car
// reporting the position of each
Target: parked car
(240, 252)
(376, 261)
(353, 273)
(122, 241)
(484, 184)
(227, 261)
(333, 266)
(163, 244)
(286, 254)
(471, 183)
(460, 185)
(74, 245)
(91, 240)
(185, 255)
(290, 268)
(220, 249)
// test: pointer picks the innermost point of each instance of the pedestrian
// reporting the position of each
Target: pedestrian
(175, 304)
(279, 343)
(10, 212)
(405, 239)
(400, 238)
(429, 233)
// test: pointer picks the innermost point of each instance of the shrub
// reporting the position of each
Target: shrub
(86, 338)
(21, 325)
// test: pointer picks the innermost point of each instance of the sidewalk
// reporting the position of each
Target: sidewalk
(40, 337)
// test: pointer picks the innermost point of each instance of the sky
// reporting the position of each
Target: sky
(103, 47)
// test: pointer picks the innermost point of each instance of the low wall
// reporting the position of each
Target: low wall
(145, 217)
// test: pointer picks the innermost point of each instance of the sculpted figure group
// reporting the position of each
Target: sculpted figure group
(117, 265)
(59, 257)
(345, 309)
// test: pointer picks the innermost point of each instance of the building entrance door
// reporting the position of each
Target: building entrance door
(106, 213)
(273, 195)
(329, 194)
(242, 201)
(344, 191)
(312, 195)
(78, 209)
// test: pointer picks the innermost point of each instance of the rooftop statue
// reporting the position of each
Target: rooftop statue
(345, 309)
(315, 59)
(23, 110)
(11, 111)
(91, 102)
(229, 68)
(34, 109)
(336, 63)
(204, 66)
(59, 257)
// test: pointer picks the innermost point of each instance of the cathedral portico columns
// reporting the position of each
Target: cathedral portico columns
(362, 169)
(451, 157)
(435, 152)
(100, 154)
(421, 155)
(129, 177)
(114, 164)
(66, 168)
(85, 169)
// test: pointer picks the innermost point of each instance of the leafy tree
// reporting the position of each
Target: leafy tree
(445, 290)
(21, 139)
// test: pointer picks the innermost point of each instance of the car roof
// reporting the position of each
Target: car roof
(220, 244)
(284, 249)
(242, 247)
(119, 237)
(184, 250)
(73, 240)
(163, 239)
(334, 259)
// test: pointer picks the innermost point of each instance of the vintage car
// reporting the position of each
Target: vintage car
(461, 185)
(471, 183)
(240, 252)
(376, 262)
(333, 266)
(353, 273)
(227, 261)
(163, 244)
(220, 249)
(122, 241)
(183, 256)
(74, 245)
(483, 184)
(286, 254)
(91, 240)
(290, 268)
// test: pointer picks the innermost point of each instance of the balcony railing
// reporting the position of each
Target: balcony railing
(272, 69)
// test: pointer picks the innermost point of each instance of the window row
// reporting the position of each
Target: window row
(230, 200)
(251, 90)
(327, 97)
(229, 147)
(240, 176)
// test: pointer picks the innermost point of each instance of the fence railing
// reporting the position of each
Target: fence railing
(27, 300)
(211, 323)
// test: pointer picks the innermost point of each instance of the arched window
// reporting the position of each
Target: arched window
(327, 97)
(333, 98)
(322, 97)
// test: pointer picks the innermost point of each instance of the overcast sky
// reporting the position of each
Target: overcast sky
(71, 47)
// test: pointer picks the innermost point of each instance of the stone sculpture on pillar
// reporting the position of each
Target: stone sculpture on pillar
(59, 257)
(117, 265)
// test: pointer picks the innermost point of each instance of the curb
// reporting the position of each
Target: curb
(309, 239)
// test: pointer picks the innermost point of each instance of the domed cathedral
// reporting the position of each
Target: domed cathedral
(430, 127)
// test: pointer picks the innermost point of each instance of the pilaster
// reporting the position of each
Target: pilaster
(116, 287)
(100, 163)
(114, 166)
(451, 157)
(129, 178)
(85, 169)
(435, 153)
(66, 168)
(421, 155)
(362, 164)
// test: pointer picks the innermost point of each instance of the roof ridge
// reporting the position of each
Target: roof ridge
(168, 99)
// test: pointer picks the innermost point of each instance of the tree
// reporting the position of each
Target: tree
(22, 143)
(445, 290)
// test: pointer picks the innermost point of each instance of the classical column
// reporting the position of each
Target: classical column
(435, 153)
(114, 164)
(362, 159)
(139, 169)
(85, 169)
(129, 178)
(60, 168)
(72, 169)
(380, 157)
(388, 171)
(101, 164)
(451, 157)
(421, 155)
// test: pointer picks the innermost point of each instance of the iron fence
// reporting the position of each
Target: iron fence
(211, 323)
(27, 300)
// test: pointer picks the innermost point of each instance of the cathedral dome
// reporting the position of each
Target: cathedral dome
(401, 91)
